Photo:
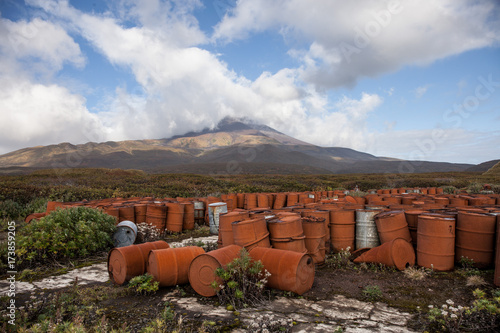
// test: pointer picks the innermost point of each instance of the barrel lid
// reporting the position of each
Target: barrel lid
(202, 274)
(217, 204)
(117, 267)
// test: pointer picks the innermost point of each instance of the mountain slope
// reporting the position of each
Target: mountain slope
(235, 145)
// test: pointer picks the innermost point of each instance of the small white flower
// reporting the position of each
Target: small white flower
(444, 306)
(453, 316)
(460, 307)
(431, 306)
(449, 302)
(444, 313)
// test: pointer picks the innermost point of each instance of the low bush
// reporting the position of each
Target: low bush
(65, 234)
(243, 282)
(144, 284)
(482, 316)
(372, 293)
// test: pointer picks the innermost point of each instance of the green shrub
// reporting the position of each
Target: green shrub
(243, 282)
(482, 316)
(65, 233)
(372, 293)
(11, 210)
(144, 284)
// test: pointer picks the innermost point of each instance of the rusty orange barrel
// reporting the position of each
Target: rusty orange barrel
(392, 225)
(262, 200)
(436, 242)
(290, 271)
(279, 201)
(175, 216)
(314, 230)
(251, 233)
(126, 262)
(295, 244)
(240, 200)
(342, 229)
(202, 269)
(156, 216)
(292, 199)
(34, 216)
(127, 213)
(250, 201)
(397, 253)
(322, 214)
(140, 211)
(113, 211)
(475, 238)
(412, 221)
(188, 219)
(225, 227)
(285, 226)
(170, 267)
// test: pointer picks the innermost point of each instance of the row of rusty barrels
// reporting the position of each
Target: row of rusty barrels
(289, 271)
(402, 198)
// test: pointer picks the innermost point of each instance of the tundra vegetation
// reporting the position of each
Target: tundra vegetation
(462, 300)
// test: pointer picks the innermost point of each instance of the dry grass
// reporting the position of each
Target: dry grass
(417, 274)
(475, 281)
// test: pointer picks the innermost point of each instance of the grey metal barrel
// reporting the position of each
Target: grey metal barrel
(366, 229)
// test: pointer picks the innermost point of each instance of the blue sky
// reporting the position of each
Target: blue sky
(406, 79)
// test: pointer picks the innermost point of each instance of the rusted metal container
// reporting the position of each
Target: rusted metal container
(188, 219)
(392, 225)
(250, 201)
(475, 238)
(170, 267)
(202, 269)
(290, 271)
(225, 227)
(175, 216)
(397, 253)
(156, 216)
(126, 262)
(251, 233)
(140, 211)
(285, 226)
(436, 242)
(342, 229)
(314, 230)
(127, 213)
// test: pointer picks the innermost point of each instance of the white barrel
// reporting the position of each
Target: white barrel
(214, 210)
(366, 229)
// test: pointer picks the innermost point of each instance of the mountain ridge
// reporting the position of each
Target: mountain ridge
(234, 144)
